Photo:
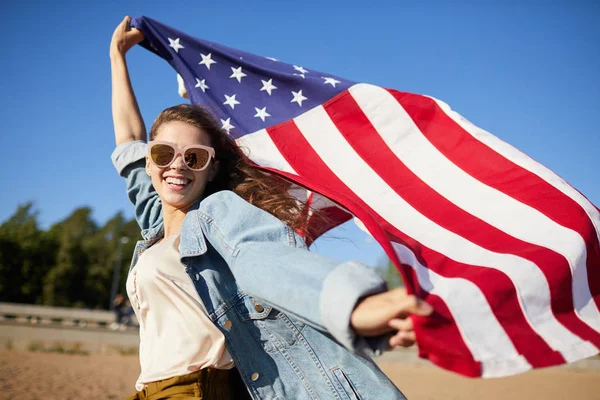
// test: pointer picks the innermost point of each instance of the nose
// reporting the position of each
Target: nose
(178, 163)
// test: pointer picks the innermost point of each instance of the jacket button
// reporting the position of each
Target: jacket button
(259, 308)
(227, 324)
(254, 376)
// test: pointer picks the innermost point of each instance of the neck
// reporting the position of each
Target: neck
(173, 219)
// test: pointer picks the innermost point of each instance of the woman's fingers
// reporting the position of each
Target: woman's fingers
(387, 312)
(403, 338)
(125, 37)
(401, 324)
(135, 36)
(405, 335)
(409, 304)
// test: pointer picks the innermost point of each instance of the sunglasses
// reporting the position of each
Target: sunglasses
(196, 157)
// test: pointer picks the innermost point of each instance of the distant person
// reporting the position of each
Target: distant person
(118, 305)
(231, 304)
(128, 318)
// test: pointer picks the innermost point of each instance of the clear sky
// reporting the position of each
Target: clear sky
(526, 71)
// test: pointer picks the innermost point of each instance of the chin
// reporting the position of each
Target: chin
(180, 202)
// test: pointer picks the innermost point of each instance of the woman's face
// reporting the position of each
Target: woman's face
(178, 186)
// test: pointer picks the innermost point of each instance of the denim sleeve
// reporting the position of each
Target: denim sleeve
(270, 262)
(129, 160)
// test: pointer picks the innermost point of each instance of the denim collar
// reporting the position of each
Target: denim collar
(192, 241)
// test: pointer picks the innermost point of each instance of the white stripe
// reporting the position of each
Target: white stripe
(259, 147)
(584, 304)
(529, 282)
(470, 311)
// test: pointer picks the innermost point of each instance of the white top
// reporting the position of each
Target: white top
(176, 335)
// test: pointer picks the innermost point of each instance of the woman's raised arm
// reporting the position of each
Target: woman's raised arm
(127, 120)
(130, 131)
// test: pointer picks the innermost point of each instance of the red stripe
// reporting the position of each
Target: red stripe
(496, 171)
(437, 335)
(368, 144)
(306, 162)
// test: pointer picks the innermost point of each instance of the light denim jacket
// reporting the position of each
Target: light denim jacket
(283, 310)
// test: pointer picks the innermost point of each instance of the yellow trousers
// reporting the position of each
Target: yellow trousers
(205, 384)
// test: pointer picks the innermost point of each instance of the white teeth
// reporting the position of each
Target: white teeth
(177, 181)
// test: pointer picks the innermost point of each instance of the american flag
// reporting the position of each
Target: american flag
(504, 249)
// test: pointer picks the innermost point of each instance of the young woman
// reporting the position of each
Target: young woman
(231, 305)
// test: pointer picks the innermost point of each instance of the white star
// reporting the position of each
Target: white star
(175, 44)
(237, 74)
(298, 98)
(226, 125)
(300, 69)
(231, 101)
(201, 84)
(207, 60)
(268, 86)
(262, 113)
(302, 75)
(271, 58)
(331, 81)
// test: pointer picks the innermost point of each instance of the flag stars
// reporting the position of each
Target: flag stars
(261, 113)
(298, 97)
(237, 74)
(271, 58)
(201, 84)
(300, 69)
(268, 86)
(175, 44)
(207, 60)
(226, 125)
(330, 81)
(231, 101)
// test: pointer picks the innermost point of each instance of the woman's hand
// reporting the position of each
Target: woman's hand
(124, 38)
(388, 312)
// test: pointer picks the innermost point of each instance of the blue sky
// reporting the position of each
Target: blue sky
(526, 72)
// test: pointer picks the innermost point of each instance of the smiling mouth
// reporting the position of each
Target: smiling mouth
(177, 183)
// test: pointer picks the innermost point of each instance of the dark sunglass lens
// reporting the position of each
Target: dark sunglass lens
(196, 158)
(162, 154)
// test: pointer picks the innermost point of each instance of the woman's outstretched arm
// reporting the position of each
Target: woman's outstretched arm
(127, 120)
(349, 300)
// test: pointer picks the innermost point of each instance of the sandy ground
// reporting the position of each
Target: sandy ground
(49, 376)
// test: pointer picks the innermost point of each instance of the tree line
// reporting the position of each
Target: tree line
(69, 265)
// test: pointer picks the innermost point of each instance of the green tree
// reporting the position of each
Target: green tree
(26, 254)
(63, 284)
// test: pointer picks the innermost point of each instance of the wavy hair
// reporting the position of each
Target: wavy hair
(236, 172)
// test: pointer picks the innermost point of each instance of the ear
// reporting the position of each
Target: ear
(214, 170)
(147, 166)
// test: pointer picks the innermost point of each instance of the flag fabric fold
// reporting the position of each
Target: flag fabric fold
(505, 251)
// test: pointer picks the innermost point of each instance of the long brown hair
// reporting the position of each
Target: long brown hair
(236, 172)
